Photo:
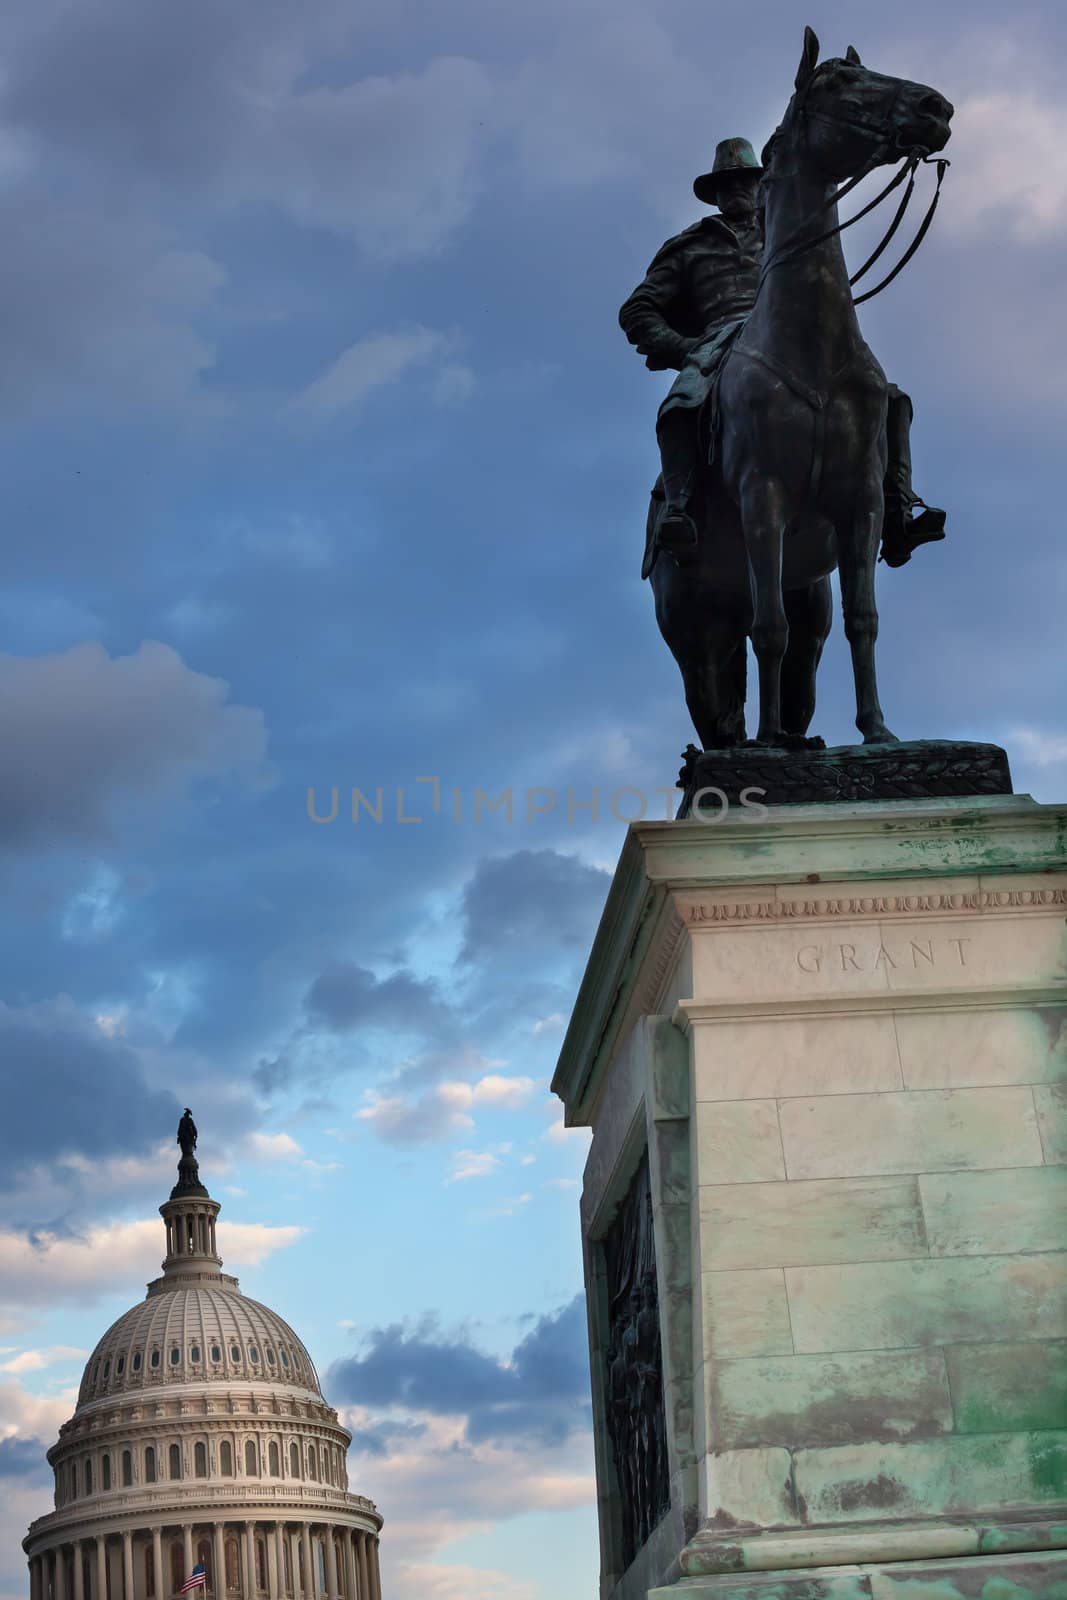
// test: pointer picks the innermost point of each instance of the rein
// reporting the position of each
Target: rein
(799, 245)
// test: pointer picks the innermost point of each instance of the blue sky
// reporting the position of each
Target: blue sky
(326, 464)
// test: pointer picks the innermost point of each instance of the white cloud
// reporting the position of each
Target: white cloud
(440, 1489)
(551, 1024)
(561, 1183)
(497, 1090)
(38, 1360)
(401, 1120)
(509, 1208)
(454, 385)
(1038, 746)
(442, 1110)
(557, 1132)
(27, 1415)
(473, 1164)
(115, 1256)
(430, 1580)
(371, 363)
(274, 1147)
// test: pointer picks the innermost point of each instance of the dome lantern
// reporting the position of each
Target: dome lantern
(189, 1218)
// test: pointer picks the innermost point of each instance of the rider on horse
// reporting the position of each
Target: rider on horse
(692, 303)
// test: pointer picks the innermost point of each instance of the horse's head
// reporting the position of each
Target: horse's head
(853, 117)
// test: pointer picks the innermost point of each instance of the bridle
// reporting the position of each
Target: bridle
(882, 131)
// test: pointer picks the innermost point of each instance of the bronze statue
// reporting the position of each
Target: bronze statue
(187, 1134)
(785, 451)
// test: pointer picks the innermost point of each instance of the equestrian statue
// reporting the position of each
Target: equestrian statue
(785, 451)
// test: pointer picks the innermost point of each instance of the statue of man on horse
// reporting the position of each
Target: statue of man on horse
(685, 313)
(753, 309)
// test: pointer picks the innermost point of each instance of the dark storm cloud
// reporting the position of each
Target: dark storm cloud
(72, 1091)
(542, 1395)
(24, 1459)
(348, 996)
(83, 734)
(529, 902)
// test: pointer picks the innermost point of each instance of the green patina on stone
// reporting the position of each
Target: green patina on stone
(1048, 1465)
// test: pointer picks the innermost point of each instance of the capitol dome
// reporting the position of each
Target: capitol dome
(201, 1439)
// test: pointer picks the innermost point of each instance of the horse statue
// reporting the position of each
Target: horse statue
(796, 488)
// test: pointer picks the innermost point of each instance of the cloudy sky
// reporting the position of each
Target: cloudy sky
(325, 466)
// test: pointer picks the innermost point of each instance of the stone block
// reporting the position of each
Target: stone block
(667, 1054)
(960, 1049)
(910, 1131)
(954, 1475)
(831, 956)
(894, 1305)
(738, 1142)
(1051, 1102)
(811, 1400)
(748, 1486)
(808, 1223)
(995, 1213)
(745, 1314)
(1028, 1577)
(1005, 1387)
(796, 1055)
(671, 1163)
(1040, 1576)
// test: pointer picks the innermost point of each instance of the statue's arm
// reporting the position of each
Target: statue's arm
(645, 317)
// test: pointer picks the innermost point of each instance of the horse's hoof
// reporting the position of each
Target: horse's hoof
(880, 735)
(803, 741)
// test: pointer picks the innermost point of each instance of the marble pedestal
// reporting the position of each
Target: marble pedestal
(840, 1035)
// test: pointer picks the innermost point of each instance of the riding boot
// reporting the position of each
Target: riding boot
(902, 533)
(677, 532)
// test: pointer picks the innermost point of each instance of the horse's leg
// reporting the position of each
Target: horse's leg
(763, 520)
(809, 612)
(857, 552)
(707, 658)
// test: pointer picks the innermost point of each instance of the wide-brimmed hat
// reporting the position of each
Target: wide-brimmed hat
(731, 155)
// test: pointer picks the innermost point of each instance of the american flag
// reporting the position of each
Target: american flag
(195, 1580)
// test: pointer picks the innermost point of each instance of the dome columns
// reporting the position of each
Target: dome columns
(218, 1562)
(189, 1220)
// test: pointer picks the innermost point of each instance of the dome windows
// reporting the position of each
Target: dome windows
(253, 1353)
(235, 1352)
(273, 1461)
(107, 1370)
(226, 1459)
(285, 1359)
(200, 1459)
(294, 1460)
(120, 1366)
(136, 1361)
(153, 1360)
(251, 1460)
(194, 1353)
(127, 1469)
(150, 1464)
(175, 1355)
(105, 1472)
(96, 1371)
(270, 1356)
(175, 1462)
(216, 1353)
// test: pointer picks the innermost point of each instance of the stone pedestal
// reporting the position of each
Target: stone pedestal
(839, 1036)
